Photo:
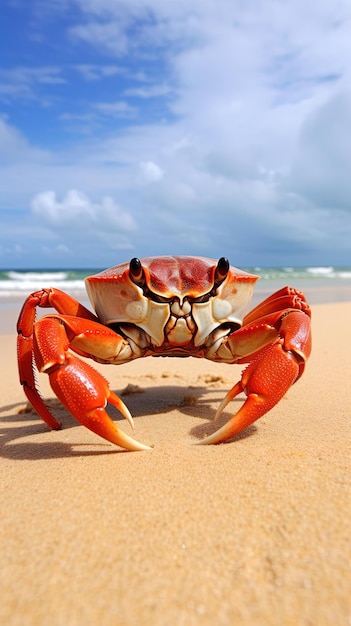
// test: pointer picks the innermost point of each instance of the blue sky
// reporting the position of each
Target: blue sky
(208, 127)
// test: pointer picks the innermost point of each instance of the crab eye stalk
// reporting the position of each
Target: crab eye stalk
(136, 271)
(221, 270)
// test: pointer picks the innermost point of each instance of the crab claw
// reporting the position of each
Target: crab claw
(80, 388)
(265, 381)
(87, 403)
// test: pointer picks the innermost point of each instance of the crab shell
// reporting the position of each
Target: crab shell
(172, 285)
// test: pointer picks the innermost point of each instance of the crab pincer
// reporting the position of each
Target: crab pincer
(88, 402)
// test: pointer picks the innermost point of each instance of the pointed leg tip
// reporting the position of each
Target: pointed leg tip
(206, 441)
(130, 444)
(218, 414)
(144, 446)
(209, 440)
(119, 404)
(100, 423)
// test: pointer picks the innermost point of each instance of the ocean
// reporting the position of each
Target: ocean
(320, 284)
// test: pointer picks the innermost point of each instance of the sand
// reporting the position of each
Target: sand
(255, 531)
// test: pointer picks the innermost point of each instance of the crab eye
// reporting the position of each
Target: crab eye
(136, 271)
(221, 270)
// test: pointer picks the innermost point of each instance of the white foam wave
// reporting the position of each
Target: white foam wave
(36, 276)
(321, 271)
(25, 284)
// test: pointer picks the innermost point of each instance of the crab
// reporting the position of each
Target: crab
(162, 306)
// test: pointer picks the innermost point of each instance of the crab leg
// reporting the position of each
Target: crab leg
(270, 374)
(284, 299)
(44, 298)
(82, 390)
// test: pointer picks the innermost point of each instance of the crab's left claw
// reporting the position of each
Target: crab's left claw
(268, 377)
(87, 403)
(81, 389)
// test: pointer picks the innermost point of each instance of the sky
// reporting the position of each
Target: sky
(148, 127)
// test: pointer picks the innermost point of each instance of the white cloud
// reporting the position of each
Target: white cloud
(149, 91)
(77, 210)
(20, 81)
(151, 171)
(242, 121)
(116, 109)
(108, 35)
(14, 147)
(321, 168)
(93, 72)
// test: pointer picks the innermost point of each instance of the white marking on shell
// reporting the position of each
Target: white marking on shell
(136, 311)
(221, 309)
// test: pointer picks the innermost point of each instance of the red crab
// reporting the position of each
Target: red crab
(163, 306)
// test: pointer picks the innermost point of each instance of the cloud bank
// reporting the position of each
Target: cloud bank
(192, 127)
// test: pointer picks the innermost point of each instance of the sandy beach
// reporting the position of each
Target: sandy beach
(254, 531)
